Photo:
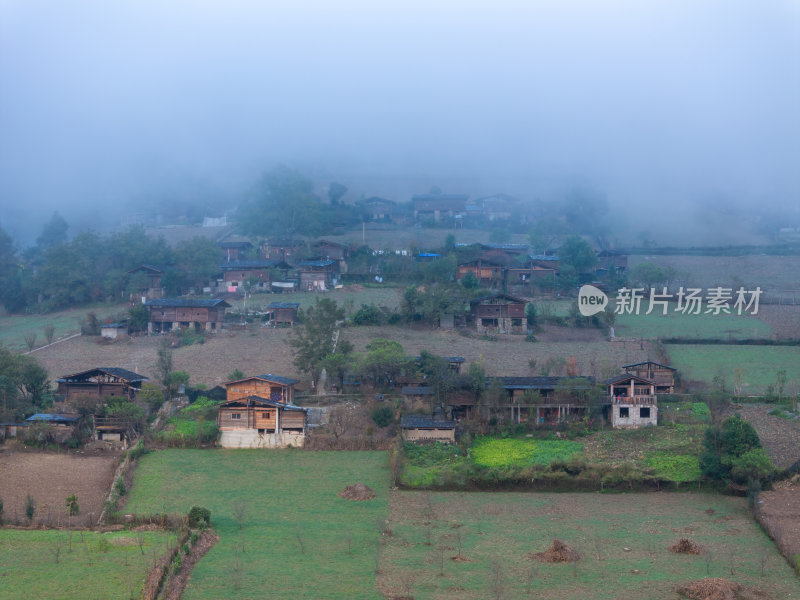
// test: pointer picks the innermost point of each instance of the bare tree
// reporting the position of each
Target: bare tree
(459, 544)
(497, 583)
(298, 534)
(239, 511)
(530, 577)
(30, 339)
(440, 550)
(341, 420)
(55, 549)
(49, 332)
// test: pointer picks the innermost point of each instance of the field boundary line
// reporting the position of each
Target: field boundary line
(66, 339)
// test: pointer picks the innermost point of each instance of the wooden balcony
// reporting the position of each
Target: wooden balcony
(633, 400)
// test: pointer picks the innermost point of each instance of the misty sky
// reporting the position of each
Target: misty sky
(102, 103)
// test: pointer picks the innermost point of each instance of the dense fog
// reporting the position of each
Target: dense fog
(108, 107)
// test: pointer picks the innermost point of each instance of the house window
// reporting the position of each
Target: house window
(516, 322)
(266, 415)
(489, 322)
(236, 415)
(644, 412)
(624, 412)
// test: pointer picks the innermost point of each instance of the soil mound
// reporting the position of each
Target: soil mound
(558, 552)
(686, 546)
(711, 588)
(357, 492)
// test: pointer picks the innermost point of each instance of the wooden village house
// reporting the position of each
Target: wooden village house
(233, 251)
(332, 250)
(236, 273)
(662, 375)
(168, 314)
(438, 206)
(288, 250)
(282, 313)
(498, 313)
(148, 278)
(488, 271)
(378, 209)
(318, 275)
(101, 382)
(612, 261)
(259, 413)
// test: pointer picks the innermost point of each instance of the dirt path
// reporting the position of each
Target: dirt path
(780, 437)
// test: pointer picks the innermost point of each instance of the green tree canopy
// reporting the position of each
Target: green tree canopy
(384, 360)
(733, 451)
(54, 232)
(24, 385)
(314, 339)
(283, 204)
(578, 254)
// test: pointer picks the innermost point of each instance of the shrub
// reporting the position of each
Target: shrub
(72, 505)
(368, 315)
(733, 450)
(119, 486)
(199, 517)
(138, 450)
(30, 507)
(382, 415)
(752, 465)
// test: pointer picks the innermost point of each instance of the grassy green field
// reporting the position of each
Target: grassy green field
(759, 364)
(657, 325)
(298, 538)
(90, 564)
(607, 457)
(13, 328)
(494, 452)
(453, 545)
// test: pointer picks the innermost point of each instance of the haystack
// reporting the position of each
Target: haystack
(711, 588)
(558, 552)
(686, 546)
(358, 492)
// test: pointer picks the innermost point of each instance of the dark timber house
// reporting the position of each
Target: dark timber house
(498, 313)
(282, 313)
(101, 382)
(178, 313)
(662, 375)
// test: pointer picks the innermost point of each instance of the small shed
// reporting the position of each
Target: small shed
(113, 330)
(282, 313)
(421, 428)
